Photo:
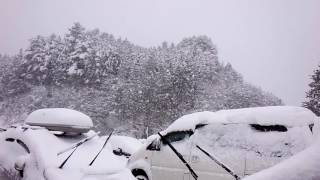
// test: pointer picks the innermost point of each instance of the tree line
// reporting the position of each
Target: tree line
(119, 84)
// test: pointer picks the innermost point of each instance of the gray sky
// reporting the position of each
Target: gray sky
(275, 44)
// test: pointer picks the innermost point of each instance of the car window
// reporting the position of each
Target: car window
(10, 139)
(217, 136)
(20, 143)
(268, 128)
(311, 127)
(23, 145)
(278, 142)
(271, 141)
(177, 136)
(154, 146)
(226, 142)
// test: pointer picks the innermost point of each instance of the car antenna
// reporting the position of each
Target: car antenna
(219, 163)
(195, 176)
(75, 146)
(104, 145)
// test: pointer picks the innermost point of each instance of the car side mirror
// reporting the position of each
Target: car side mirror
(120, 152)
(155, 145)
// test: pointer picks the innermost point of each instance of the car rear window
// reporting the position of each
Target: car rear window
(269, 128)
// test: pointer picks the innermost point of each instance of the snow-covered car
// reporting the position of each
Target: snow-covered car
(37, 152)
(226, 144)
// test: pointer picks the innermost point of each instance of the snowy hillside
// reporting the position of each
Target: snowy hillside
(118, 83)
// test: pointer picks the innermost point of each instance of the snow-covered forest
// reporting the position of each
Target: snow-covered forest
(119, 84)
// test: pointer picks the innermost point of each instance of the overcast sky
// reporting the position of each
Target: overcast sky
(275, 44)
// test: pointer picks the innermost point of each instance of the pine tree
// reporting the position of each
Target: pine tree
(77, 49)
(313, 95)
(34, 67)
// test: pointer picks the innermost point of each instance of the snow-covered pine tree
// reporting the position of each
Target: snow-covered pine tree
(313, 95)
(57, 55)
(11, 82)
(34, 67)
(77, 50)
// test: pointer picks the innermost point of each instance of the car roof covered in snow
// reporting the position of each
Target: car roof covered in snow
(60, 119)
(288, 116)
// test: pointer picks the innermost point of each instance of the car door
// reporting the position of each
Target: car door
(165, 164)
(225, 143)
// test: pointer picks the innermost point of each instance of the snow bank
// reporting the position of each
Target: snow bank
(284, 115)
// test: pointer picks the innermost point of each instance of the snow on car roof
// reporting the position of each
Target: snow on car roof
(271, 115)
(53, 117)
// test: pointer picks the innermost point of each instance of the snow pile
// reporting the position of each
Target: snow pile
(288, 116)
(304, 165)
(127, 144)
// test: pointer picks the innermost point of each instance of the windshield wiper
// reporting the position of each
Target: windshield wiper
(219, 163)
(195, 176)
(105, 143)
(65, 161)
(75, 146)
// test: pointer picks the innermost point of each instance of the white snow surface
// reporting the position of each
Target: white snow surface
(59, 116)
(127, 144)
(289, 116)
(303, 166)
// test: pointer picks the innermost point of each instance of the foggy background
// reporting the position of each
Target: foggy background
(274, 43)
